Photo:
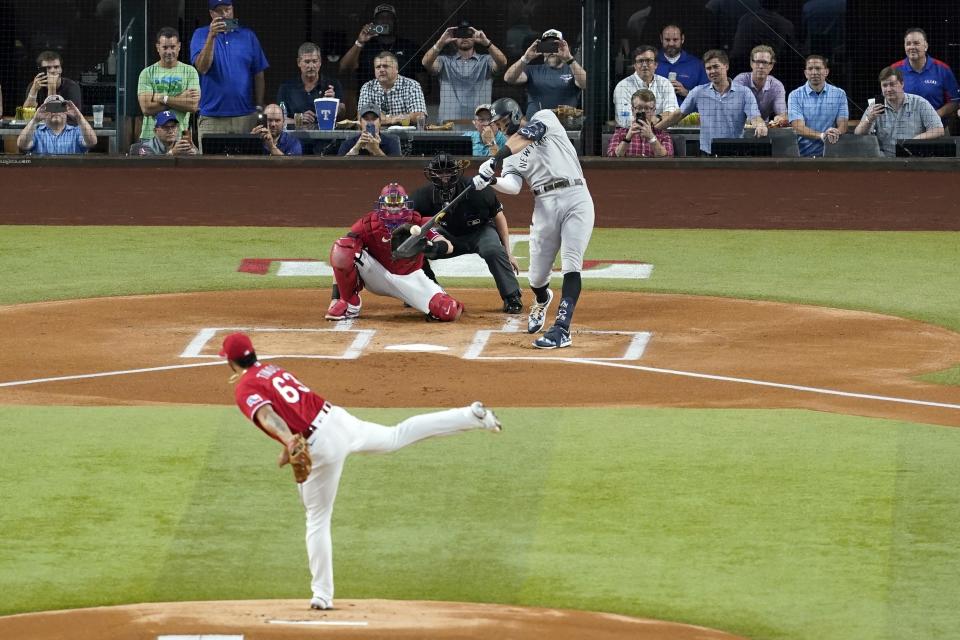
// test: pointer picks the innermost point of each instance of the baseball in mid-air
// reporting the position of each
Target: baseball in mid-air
(414, 230)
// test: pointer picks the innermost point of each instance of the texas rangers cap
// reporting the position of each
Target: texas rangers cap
(164, 117)
(236, 346)
(216, 3)
(370, 108)
(551, 33)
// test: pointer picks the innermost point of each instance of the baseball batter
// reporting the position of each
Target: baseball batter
(288, 411)
(362, 259)
(539, 152)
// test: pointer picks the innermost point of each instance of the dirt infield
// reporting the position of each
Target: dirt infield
(360, 619)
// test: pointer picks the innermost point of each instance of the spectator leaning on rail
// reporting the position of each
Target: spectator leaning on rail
(640, 139)
(818, 111)
(50, 81)
(400, 98)
(926, 76)
(297, 95)
(231, 63)
(559, 80)
(900, 116)
(167, 140)
(371, 141)
(276, 141)
(466, 77)
(54, 136)
(487, 138)
(724, 107)
(687, 70)
(645, 63)
(769, 93)
(167, 85)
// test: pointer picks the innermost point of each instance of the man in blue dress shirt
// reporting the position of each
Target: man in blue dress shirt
(818, 111)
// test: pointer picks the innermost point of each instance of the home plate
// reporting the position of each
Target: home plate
(416, 347)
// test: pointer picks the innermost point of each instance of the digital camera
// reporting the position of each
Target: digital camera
(380, 29)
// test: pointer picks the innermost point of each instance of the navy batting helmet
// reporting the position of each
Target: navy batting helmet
(506, 108)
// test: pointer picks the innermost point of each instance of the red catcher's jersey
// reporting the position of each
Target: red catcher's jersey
(376, 239)
(269, 384)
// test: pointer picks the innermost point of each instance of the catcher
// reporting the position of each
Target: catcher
(317, 437)
(362, 259)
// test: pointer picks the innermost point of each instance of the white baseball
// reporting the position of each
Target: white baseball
(414, 230)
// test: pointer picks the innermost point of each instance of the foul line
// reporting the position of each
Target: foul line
(105, 374)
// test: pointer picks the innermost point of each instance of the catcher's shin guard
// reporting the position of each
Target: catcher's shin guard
(445, 308)
(342, 256)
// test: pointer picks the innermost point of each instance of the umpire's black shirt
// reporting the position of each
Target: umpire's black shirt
(476, 209)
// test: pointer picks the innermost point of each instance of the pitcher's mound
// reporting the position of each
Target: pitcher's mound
(271, 619)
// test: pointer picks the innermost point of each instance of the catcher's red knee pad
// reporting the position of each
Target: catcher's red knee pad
(343, 253)
(445, 308)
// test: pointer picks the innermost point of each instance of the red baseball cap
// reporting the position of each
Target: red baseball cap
(236, 346)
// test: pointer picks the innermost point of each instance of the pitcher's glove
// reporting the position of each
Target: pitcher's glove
(397, 237)
(299, 452)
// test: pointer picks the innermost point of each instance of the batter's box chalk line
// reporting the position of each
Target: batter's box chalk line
(634, 351)
(351, 352)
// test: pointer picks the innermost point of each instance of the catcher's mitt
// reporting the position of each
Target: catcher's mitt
(300, 460)
(400, 234)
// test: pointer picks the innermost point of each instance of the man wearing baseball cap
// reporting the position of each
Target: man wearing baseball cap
(487, 138)
(167, 139)
(559, 80)
(231, 64)
(370, 141)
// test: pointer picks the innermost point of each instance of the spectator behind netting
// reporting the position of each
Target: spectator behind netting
(231, 63)
(763, 26)
(724, 107)
(48, 133)
(683, 70)
(927, 77)
(644, 63)
(466, 77)
(375, 38)
(297, 95)
(818, 111)
(276, 141)
(50, 81)
(370, 141)
(769, 92)
(640, 139)
(487, 137)
(168, 139)
(559, 80)
(167, 85)
(899, 116)
(400, 98)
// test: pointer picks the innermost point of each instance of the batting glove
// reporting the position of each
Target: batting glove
(480, 183)
(488, 170)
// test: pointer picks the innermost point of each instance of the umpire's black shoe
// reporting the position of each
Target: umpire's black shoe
(513, 304)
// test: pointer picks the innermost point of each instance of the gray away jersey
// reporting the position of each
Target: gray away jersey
(550, 158)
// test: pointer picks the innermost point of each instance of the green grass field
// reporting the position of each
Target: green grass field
(771, 524)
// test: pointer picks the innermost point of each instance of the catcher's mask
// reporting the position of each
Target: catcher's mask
(444, 172)
(506, 113)
(394, 206)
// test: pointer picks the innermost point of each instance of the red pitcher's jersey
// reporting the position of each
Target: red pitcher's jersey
(376, 239)
(269, 384)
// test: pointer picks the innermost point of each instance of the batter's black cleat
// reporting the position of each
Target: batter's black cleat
(556, 337)
(513, 304)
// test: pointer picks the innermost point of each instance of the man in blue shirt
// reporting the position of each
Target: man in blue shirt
(724, 107)
(927, 77)
(818, 111)
(371, 141)
(231, 63)
(297, 95)
(47, 132)
(276, 141)
(683, 70)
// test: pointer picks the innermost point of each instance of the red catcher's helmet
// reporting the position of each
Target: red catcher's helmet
(394, 206)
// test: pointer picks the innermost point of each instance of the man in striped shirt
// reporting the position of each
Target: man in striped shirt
(48, 133)
(400, 98)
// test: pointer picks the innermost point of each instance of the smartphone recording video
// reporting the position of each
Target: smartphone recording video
(232, 24)
(56, 106)
(463, 30)
(551, 45)
(371, 128)
(641, 116)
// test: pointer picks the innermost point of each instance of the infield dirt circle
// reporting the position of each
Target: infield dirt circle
(641, 350)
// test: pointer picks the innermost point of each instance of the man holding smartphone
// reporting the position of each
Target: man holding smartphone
(167, 140)
(50, 81)
(48, 133)
(371, 141)
(897, 115)
(231, 64)
(559, 80)
(641, 139)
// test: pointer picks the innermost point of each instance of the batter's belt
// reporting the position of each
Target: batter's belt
(562, 183)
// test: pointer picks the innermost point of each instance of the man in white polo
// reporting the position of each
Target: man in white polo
(645, 64)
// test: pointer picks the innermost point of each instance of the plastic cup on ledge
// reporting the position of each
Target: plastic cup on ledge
(98, 116)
